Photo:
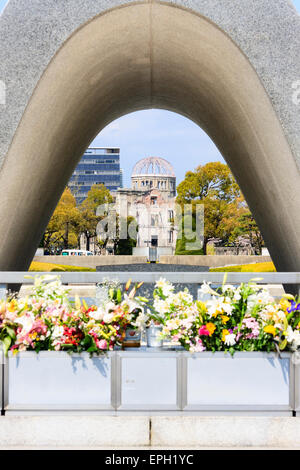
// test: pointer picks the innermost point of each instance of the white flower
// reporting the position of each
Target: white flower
(57, 332)
(108, 317)
(227, 287)
(261, 299)
(218, 306)
(161, 306)
(182, 297)
(132, 304)
(293, 337)
(206, 289)
(230, 340)
(237, 296)
(26, 321)
(141, 320)
(166, 287)
(97, 314)
(272, 311)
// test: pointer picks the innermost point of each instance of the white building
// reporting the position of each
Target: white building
(151, 201)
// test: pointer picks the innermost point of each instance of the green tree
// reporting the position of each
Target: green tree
(248, 227)
(98, 195)
(64, 226)
(214, 186)
(213, 180)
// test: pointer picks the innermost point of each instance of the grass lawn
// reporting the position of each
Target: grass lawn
(49, 267)
(248, 268)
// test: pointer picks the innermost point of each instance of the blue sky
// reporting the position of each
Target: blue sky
(297, 4)
(2, 3)
(158, 133)
(161, 134)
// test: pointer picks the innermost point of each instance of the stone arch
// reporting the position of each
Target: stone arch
(204, 63)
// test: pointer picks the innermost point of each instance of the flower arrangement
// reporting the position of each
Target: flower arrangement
(243, 318)
(47, 320)
(110, 295)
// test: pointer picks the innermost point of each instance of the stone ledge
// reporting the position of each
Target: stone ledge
(134, 432)
(225, 432)
(73, 431)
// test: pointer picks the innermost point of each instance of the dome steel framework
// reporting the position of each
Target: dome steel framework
(153, 166)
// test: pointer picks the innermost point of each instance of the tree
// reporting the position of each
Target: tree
(211, 181)
(64, 225)
(214, 186)
(97, 196)
(247, 226)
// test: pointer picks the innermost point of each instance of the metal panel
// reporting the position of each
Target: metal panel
(149, 381)
(58, 381)
(248, 381)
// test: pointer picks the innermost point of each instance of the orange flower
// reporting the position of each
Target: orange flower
(211, 328)
(224, 319)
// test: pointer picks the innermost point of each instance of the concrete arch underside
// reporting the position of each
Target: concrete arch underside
(138, 56)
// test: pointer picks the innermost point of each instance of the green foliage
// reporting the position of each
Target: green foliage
(180, 248)
(124, 247)
(213, 180)
(97, 196)
(225, 210)
(64, 226)
(248, 226)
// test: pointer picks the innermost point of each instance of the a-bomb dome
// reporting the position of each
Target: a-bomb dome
(154, 166)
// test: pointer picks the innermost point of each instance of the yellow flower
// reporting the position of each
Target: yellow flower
(211, 328)
(217, 312)
(201, 306)
(284, 305)
(270, 329)
(224, 334)
(12, 305)
(224, 319)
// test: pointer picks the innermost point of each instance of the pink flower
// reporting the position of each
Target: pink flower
(198, 347)
(102, 344)
(203, 331)
(252, 325)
